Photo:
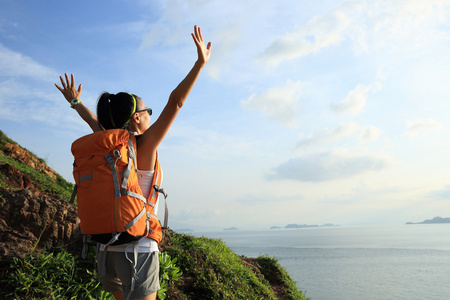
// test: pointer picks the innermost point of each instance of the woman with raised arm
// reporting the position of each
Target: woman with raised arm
(128, 111)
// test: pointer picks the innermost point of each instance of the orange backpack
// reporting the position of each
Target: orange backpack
(110, 203)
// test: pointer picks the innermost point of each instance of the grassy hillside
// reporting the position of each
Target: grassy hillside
(31, 167)
(213, 271)
(191, 267)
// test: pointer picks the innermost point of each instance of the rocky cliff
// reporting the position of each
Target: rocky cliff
(29, 221)
(34, 214)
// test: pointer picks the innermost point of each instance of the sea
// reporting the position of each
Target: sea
(355, 262)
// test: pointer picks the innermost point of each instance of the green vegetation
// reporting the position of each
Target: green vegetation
(216, 272)
(56, 275)
(169, 273)
(58, 188)
(270, 268)
(4, 139)
(202, 268)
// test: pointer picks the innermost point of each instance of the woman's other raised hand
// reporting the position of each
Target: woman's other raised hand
(68, 89)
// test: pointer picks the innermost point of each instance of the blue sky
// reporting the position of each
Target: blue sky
(309, 112)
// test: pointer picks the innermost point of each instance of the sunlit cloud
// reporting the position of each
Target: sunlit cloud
(201, 214)
(48, 107)
(369, 134)
(264, 198)
(13, 64)
(328, 166)
(280, 104)
(399, 25)
(414, 128)
(355, 101)
(207, 143)
(347, 130)
(327, 135)
(226, 41)
(320, 32)
(369, 26)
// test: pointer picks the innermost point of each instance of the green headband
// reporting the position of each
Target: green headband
(134, 110)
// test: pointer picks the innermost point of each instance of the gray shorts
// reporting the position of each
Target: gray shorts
(118, 273)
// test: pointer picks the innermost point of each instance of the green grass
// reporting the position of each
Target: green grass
(2, 180)
(58, 188)
(213, 270)
(217, 272)
(54, 275)
(5, 139)
(271, 268)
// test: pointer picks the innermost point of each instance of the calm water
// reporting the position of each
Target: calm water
(356, 263)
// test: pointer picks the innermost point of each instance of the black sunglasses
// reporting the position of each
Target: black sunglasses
(149, 110)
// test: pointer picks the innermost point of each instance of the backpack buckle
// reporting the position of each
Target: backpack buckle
(116, 154)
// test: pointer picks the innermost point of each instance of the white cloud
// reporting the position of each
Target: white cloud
(37, 104)
(319, 33)
(347, 130)
(328, 166)
(369, 25)
(191, 214)
(280, 104)
(326, 135)
(369, 134)
(355, 101)
(399, 25)
(413, 128)
(14, 64)
(231, 30)
(225, 41)
(207, 143)
(174, 19)
(262, 198)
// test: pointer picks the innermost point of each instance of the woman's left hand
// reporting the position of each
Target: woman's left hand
(68, 90)
(204, 52)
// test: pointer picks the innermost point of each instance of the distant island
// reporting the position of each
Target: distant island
(276, 227)
(303, 226)
(231, 228)
(435, 220)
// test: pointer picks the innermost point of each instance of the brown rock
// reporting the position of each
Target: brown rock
(14, 177)
(23, 155)
(28, 220)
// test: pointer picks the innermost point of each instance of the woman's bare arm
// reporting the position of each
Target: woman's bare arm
(155, 134)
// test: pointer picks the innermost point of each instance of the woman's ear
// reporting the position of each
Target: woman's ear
(136, 118)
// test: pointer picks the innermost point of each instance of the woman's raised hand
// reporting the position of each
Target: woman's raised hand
(204, 52)
(68, 89)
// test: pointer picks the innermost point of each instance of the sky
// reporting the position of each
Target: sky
(308, 112)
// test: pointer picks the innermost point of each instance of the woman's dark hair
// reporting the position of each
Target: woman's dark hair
(115, 110)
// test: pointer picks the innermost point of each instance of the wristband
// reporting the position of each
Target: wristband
(74, 102)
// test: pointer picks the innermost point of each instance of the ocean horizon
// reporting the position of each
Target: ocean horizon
(355, 262)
